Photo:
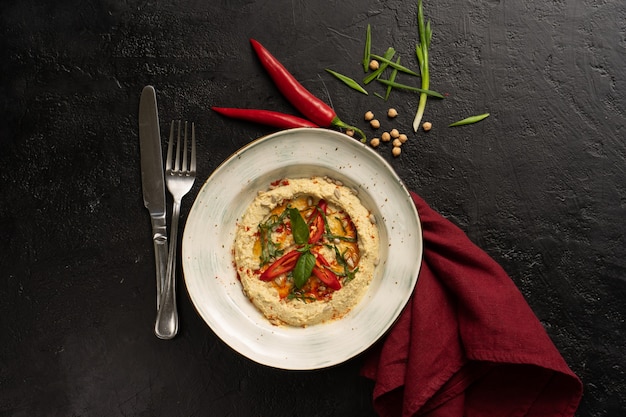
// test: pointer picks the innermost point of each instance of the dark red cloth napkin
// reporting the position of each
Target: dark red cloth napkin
(467, 343)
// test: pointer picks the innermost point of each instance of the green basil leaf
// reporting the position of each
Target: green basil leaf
(303, 269)
(299, 228)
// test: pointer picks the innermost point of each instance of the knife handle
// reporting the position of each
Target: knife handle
(159, 238)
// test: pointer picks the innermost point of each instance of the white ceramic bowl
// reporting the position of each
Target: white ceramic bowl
(207, 248)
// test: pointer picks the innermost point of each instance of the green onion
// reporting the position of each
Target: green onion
(372, 76)
(392, 78)
(347, 81)
(368, 48)
(410, 88)
(394, 65)
(269, 249)
(470, 120)
(421, 50)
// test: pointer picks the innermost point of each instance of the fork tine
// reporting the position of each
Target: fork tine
(177, 160)
(184, 160)
(168, 161)
(192, 168)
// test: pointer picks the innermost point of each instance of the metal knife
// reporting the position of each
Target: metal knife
(153, 184)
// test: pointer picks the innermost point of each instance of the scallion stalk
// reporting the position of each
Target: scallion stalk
(410, 88)
(347, 81)
(368, 48)
(375, 74)
(394, 65)
(470, 120)
(392, 78)
(421, 50)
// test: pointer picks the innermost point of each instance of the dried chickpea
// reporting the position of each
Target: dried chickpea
(350, 132)
(375, 123)
(394, 133)
(391, 113)
(427, 126)
(396, 151)
(403, 138)
(375, 142)
(368, 116)
(386, 137)
(374, 65)
(396, 143)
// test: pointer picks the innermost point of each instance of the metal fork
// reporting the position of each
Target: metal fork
(179, 181)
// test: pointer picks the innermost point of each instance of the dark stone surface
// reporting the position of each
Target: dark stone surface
(540, 185)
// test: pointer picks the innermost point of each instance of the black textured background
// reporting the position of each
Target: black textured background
(540, 185)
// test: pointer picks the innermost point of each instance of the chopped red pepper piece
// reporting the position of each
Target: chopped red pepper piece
(281, 266)
(317, 222)
(322, 271)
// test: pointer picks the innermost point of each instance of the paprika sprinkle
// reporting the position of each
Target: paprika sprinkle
(309, 105)
(266, 117)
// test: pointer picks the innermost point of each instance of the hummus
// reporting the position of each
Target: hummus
(306, 250)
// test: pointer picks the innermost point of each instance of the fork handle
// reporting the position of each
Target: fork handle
(166, 325)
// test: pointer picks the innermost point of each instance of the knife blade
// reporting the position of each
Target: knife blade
(152, 182)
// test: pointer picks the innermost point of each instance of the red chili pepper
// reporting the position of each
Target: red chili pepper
(322, 271)
(281, 266)
(317, 220)
(266, 117)
(309, 105)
